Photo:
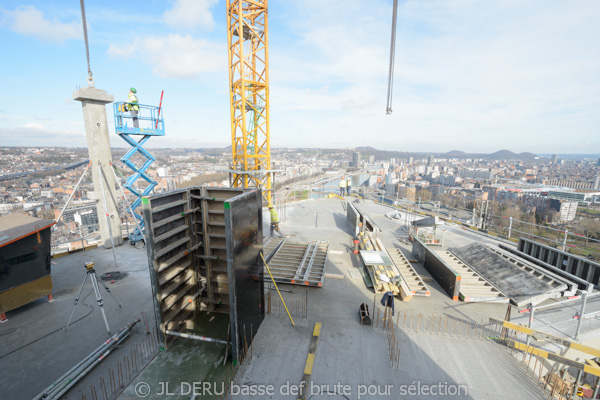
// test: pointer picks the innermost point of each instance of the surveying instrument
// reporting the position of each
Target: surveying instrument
(91, 273)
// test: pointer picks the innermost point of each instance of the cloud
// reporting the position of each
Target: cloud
(40, 135)
(123, 51)
(190, 14)
(175, 56)
(468, 74)
(29, 21)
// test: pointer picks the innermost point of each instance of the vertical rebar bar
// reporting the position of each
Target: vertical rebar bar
(111, 380)
(93, 392)
(245, 342)
(119, 375)
(103, 387)
(467, 327)
(134, 358)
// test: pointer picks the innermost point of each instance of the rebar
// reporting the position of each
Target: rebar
(103, 387)
(537, 357)
(111, 381)
(93, 392)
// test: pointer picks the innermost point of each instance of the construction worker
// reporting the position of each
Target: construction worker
(342, 187)
(133, 106)
(274, 221)
(348, 186)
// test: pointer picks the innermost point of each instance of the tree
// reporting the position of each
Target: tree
(590, 228)
(424, 194)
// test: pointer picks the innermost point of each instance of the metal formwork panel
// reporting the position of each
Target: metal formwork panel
(300, 263)
(187, 243)
(215, 245)
(353, 218)
(243, 225)
(170, 245)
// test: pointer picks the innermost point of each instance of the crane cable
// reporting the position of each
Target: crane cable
(388, 110)
(90, 78)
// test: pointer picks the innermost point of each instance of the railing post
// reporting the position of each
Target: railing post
(530, 322)
(509, 226)
(564, 246)
(581, 313)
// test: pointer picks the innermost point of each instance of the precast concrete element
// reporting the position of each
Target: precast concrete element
(93, 102)
(509, 275)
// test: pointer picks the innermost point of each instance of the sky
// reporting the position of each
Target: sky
(470, 75)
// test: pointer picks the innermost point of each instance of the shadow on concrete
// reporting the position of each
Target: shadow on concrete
(342, 223)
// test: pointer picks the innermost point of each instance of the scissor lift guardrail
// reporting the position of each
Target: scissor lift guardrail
(152, 124)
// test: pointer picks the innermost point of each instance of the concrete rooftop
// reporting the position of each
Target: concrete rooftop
(347, 353)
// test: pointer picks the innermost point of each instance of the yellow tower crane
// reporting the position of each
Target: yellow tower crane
(248, 50)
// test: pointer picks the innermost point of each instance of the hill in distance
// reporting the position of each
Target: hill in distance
(498, 155)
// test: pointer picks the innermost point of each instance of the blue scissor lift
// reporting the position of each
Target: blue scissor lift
(151, 123)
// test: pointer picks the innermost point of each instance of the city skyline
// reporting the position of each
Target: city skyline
(470, 76)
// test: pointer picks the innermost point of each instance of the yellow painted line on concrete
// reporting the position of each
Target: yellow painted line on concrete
(317, 330)
(310, 361)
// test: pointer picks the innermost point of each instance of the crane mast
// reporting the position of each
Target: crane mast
(248, 51)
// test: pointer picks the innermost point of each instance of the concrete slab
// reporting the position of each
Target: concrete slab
(347, 353)
(36, 351)
(350, 354)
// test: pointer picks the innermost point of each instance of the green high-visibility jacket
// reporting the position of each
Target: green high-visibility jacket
(132, 98)
(274, 216)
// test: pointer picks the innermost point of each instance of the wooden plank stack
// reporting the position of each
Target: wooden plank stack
(370, 243)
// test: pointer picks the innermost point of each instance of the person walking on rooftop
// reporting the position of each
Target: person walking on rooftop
(274, 221)
(342, 187)
(133, 107)
(348, 186)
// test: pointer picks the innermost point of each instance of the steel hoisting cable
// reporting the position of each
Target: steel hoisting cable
(392, 57)
(87, 47)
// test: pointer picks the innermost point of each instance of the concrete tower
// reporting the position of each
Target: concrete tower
(94, 103)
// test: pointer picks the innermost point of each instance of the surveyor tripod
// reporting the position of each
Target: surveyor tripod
(91, 273)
